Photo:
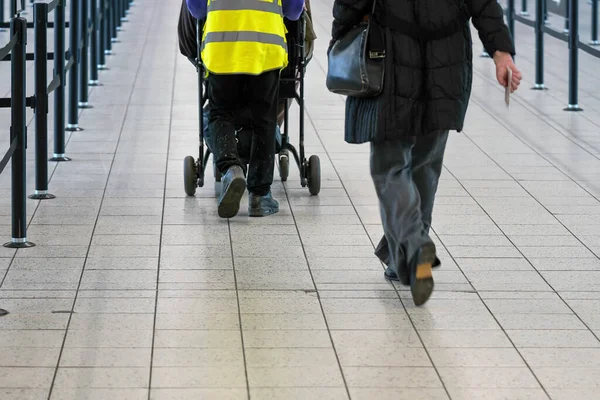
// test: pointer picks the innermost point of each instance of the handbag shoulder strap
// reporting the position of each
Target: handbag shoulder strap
(376, 35)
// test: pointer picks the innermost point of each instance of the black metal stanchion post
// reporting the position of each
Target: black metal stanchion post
(573, 56)
(116, 21)
(2, 13)
(123, 4)
(84, 25)
(102, 36)
(59, 92)
(74, 30)
(18, 132)
(524, 11)
(119, 7)
(545, 12)
(567, 11)
(539, 45)
(510, 18)
(109, 29)
(40, 15)
(594, 41)
(94, 43)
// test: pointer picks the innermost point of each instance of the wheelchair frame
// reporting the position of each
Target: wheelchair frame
(310, 170)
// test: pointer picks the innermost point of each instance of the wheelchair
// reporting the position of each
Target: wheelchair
(291, 88)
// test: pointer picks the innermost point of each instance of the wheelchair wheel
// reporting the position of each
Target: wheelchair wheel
(313, 175)
(190, 176)
(284, 166)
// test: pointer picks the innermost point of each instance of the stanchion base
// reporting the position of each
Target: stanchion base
(103, 67)
(594, 43)
(109, 53)
(73, 128)
(524, 13)
(19, 244)
(539, 86)
(484, 54)
(95, 83)
(115, 40)
(85, 106)
(573, 107)
(60, 158)
(3, 312)
(42, 195)
(124, 20)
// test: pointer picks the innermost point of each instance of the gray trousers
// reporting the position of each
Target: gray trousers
(406, 174)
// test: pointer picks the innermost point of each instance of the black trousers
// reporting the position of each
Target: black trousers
(229, 95)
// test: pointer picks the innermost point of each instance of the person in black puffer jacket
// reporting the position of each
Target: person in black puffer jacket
(426, 91)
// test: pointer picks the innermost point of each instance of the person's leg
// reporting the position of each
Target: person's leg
(263, 102)
(224, 102)
(410, 248)
(244, 137)
(427, 162)
(428, 158)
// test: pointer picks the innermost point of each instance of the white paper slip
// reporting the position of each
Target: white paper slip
(508, 86)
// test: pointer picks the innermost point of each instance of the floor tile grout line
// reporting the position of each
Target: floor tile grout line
(316, 291)
(239, 309)
(333, 346)
(514, 346)
(556, 126)
(512, 242)
(519, 182)
(51, 175)
(396, 290)
(164, 202)
(66, 330)
(486, 305)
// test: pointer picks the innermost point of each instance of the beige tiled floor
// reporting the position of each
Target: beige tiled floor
(135, 291)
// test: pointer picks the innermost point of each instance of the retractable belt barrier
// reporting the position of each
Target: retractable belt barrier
(570, 35)
(93, 26)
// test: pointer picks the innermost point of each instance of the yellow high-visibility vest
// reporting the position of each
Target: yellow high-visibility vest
(245, 37)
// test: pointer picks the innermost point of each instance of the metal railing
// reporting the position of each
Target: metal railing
(91, 30)
(570, 35)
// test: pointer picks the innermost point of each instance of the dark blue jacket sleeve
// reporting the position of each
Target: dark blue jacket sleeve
(197, 8)
(292, 9)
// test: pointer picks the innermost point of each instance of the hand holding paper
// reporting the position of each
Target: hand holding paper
(503, 62)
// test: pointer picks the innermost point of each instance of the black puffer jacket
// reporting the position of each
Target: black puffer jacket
(428, 82)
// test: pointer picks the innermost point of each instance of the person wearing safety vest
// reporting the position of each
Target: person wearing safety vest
(243, 51)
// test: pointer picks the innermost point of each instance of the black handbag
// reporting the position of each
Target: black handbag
(356, 62)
